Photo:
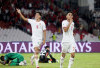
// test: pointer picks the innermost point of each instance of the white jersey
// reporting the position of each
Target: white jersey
(68, 35)
(37, 29)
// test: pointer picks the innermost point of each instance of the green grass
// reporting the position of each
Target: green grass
(82, 60)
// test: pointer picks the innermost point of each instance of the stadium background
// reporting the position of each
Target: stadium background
(15, 34)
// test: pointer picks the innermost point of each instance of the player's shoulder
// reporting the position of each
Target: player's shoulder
(42, 22)
(31, 19)
(7, 55)
(64, 21)
(72, 23)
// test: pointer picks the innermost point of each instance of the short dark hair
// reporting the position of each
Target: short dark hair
(69, 12)
(39, 13)
(46, 47)
(2, 58)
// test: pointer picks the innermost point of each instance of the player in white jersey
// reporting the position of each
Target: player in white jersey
(38, 34)
(68, 42)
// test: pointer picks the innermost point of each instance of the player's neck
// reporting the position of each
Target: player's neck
(37, 20)
(68, 20)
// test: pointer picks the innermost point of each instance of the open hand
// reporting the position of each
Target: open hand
(18, 10)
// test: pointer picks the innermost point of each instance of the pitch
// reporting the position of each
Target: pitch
(82, 60)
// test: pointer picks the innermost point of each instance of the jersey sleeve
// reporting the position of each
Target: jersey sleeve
(64, 24)
(6, 58)
(30, 21)
(43, 26)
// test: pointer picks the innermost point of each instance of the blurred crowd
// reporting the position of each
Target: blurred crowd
(53, 12)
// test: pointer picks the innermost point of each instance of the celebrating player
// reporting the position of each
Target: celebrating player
(38, 31)
(15, 58)
(68, 42)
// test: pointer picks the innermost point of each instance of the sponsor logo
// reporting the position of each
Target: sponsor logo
(27, 47)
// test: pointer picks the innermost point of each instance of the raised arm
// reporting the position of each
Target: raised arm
(19, 12)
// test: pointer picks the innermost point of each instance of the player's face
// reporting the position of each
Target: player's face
(37, 16)
(69, 16)
(2, 58)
